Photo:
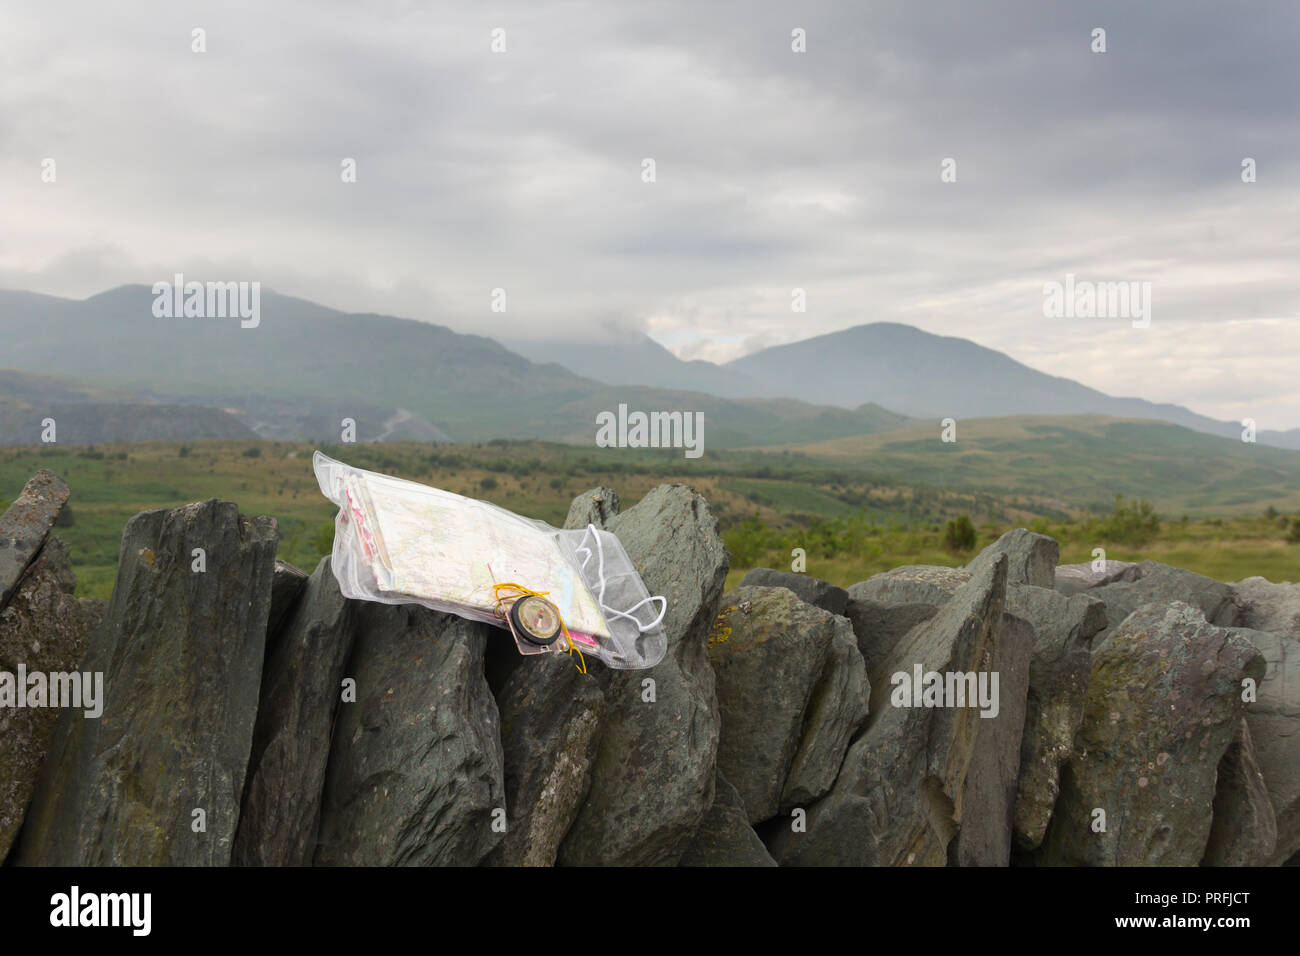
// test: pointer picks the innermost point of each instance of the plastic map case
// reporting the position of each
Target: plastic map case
(401, 542)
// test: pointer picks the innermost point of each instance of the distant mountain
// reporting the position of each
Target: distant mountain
(289, 419)
(305, 368)
(25, 387)
(86, 414)
(300, 350)
(936, 376)
(94, 423)
(640, 360)
(884, 363)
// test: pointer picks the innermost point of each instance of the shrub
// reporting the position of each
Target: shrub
(959, 535)
(749, 540)
(488, 483)
(322, 538)
(184, 451)
(253, 452)
(1132, 522)
(1293, 536)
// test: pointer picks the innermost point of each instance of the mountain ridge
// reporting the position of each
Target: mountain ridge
(465, 387)
(914, 372)
(469, 387)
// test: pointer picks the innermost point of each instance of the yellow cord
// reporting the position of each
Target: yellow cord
(526, 592)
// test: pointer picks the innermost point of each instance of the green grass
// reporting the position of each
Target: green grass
(1227, 549)
(1082, 461)
(112, 483)
(854, 518)
(788, 497)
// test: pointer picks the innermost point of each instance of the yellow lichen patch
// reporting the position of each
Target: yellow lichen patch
(720, 633)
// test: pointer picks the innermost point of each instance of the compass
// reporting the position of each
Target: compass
(536, 620)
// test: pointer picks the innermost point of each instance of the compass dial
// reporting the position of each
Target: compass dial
(537, 620)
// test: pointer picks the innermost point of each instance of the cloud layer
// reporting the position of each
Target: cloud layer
(774, 170)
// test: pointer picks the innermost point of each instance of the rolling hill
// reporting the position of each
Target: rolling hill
(897, 366)
(85, 415)
(306, 367)
(1082, 460)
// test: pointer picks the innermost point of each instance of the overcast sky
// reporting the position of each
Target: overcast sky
(774, 170)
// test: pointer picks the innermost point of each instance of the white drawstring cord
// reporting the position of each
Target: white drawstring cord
(600, 597)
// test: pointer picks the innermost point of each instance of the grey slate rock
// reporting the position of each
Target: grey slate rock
(593, 507)
(1077, 578)
(899, 796)
(415, 767)
(44, 628)
(1063, 628)
(724, 837)
(887, 606)
(1274, 720)
(1031, 557)
(287, 585)
(25, 524)
(814, 591)
(550, 734)
(792, 690)
(989, 791)
(181, 654)
(839, 706)
(1156, 583)
(912, 584)
(653, 779)
(1164, 699)
(1265, 606)
(1244, 829)
(301, 690)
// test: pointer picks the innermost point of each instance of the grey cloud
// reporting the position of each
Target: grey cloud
(774, 169)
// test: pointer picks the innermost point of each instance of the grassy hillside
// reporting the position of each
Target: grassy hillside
(843, 551)
(852, 522)
(1081, 461)
(110, 483)
(88, 423)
